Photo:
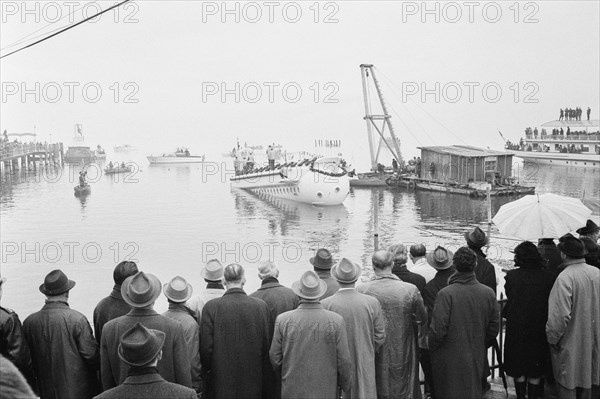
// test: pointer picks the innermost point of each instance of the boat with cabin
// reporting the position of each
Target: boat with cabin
(181, 155)
(561, 142)
(316, 181)
(78, 153)
(124, 148)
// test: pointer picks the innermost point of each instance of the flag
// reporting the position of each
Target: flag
(501, 135)
(79, 130)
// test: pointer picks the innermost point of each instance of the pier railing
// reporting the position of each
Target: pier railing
(14, 150)
(558, 137)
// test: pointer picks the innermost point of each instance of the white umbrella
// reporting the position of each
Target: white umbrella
(541, 216)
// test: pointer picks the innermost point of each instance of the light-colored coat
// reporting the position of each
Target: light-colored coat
(397, 366)
(366, 333)
(574, 325)
(310, 350)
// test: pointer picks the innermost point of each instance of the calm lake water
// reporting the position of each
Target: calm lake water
(172, 219)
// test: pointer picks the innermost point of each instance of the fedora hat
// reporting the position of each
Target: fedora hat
(56, 283)
(322, 259)
(213, 270)
(572, 246)
(590, 227)
(440, 258)
(476, 237)
(141, 289)
(139, 345)
(346, 271)
(310, 286)
(178, 290)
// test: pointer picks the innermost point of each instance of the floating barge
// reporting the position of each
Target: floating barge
(466, 170)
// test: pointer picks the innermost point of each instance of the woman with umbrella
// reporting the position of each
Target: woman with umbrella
(526, 351)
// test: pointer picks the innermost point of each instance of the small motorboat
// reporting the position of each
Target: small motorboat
(83, 190)
(118, 169)
(181, 155)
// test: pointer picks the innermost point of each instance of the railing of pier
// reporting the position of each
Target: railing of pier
(10, 150)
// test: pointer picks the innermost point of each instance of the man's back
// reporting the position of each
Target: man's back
(310, 348)
(148, 386)
(174, 365)
(63, 350)
(109, 308)
(280, 299)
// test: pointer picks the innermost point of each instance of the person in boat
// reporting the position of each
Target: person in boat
(271, 157)
(395, 165)
(82, 178)
(187, 152)
(110, 165)
(123, 165)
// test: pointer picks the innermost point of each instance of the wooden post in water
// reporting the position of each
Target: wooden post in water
(489, 209)
(376, 219)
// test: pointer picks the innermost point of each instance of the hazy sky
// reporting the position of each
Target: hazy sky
(175, 57)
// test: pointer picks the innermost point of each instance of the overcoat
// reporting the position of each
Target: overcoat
(465, 316)
(180, 313)
(526, 351)
(402, 272)
(64, 352)
(234, 345)
(332, 285)
(397, 366)
(365, 328)
(197, 302)
(109, 308)
(146, 386)
(174, 366)
(310, 350)
(13, 345)
(573, 327)
(279, 299)
(484, 271)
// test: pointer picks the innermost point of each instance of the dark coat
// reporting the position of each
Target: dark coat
(550, 252)
(526, 352)
(405, 275)
(433, 287)
(593, 255)
(174, 366)
(64, 352)
(234, 345)
(13, 345)
(145, 386)
(332, 285)
(465, 317)
(484, 271)
(279, 299)
(109, 308)
(12, 383)
(310, 350)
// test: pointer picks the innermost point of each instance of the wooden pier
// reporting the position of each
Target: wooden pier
(23, 156)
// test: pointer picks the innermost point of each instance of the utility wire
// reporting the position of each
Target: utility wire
(66, 29)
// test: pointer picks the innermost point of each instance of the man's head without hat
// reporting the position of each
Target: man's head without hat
(267, 269)
(124, 270)
(464, 260)
(382, 259)
(417, 251)
(234, 276)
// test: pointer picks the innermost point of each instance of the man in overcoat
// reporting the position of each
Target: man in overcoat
(140, 348)
(62, 345)
(279, 299)
(322, 263)
(397, 362)
(234, 341)
(113, 305)
(140, 292)
(310, 346)
(364, 324)
(465, 318)
(573, 327)
(212, 273)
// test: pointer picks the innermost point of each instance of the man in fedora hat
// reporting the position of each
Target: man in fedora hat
(484, 271)
(279, 299)
(441, 260)
(113, 305)
(141, 349)
(177, 292)
(322, 263)
(589, 235)
(13, 345)
(465, 319)
(234, 341)
(212, 273)
(140, 292)
(397, 362)
(572, 327)
(63, 348)
(310, 345)
(365, 327)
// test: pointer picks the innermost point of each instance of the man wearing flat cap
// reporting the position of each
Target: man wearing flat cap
(63, 348)
(572, 328)
(141, 349)
(140, 292)
(177, 291)
(322, 263)
(365, 328)
(113, 305)
(310, 345)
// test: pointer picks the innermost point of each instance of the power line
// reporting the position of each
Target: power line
(67, 28)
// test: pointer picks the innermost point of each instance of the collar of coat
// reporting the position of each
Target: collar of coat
(116, 292)
(235, 291)
(142, 312)
(462, 278)
(310, 305)
(148, 378)
(570, 262)
(269, 282)
(56, 304)
(478, 251)
(385, 275)
(215, 285)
